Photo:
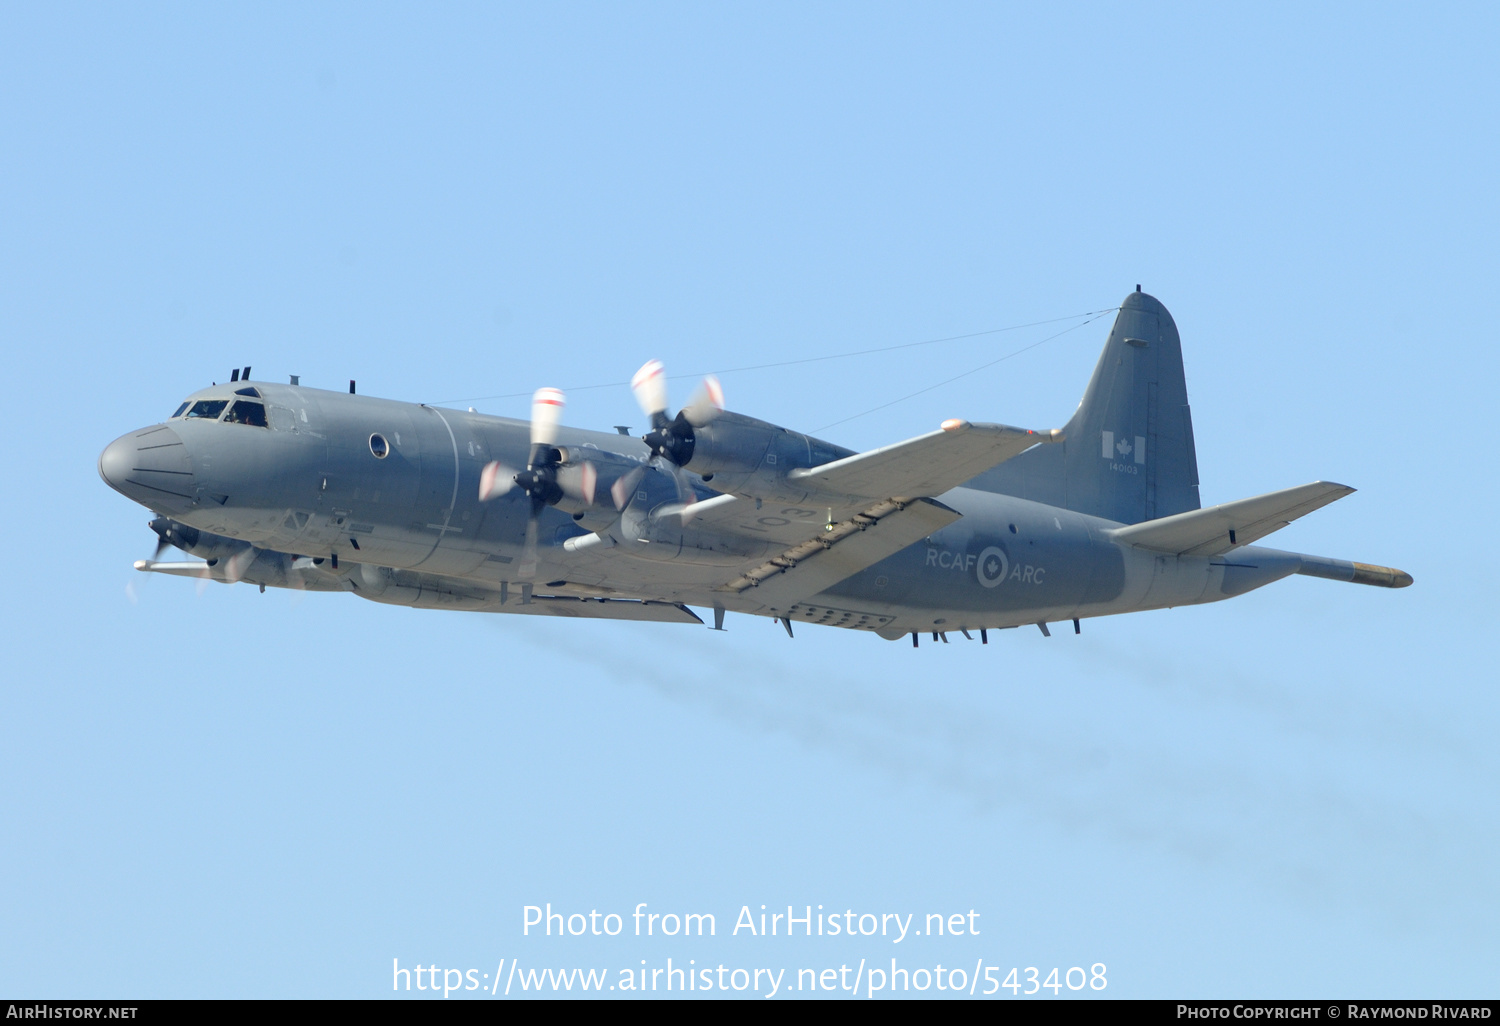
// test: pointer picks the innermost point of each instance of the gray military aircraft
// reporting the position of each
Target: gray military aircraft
(972, 527)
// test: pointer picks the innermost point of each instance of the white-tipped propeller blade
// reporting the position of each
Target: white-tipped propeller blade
(579, 481)
(495, 480)
(650, 387)
(706, 404)
(624, 488)
(546, 412)
(670, 439)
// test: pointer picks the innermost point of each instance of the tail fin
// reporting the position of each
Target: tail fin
(1129, 454)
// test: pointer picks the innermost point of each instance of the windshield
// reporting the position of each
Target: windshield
(245, 411)
(210, 408)
(179, 412)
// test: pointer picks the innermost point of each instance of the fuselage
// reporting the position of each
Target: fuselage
(349, 492)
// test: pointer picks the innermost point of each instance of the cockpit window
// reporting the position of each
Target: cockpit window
(179, 412)
(209, 408)
(248, 391)
(246, 412)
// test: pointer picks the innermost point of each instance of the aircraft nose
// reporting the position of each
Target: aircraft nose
(150, 466)
(115, 462)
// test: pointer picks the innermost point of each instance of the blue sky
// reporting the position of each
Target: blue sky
(233, 794)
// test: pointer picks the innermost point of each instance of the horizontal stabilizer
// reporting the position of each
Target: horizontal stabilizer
(927, 465)
(1217, 529)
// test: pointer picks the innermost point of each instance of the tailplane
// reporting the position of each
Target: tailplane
(1220, 529)
(1128, 454)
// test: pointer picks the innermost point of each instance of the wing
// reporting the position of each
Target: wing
(923, 466)
(843, 549)
(856, 511)
(793, 535)
(598, 608)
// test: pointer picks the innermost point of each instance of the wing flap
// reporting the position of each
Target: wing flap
(927, 465)
(866, 538)
(1217, 529)
(778, 524)
(601, 609)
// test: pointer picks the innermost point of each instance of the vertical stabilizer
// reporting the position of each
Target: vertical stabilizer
(1129, 452)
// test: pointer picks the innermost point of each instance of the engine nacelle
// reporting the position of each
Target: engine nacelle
(664, 535)
(203, 544)
(742, 454)
(586, 477)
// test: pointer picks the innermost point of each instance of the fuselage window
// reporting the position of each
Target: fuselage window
(379, 446)
(246, 412)
(208, 408)
(179, 412)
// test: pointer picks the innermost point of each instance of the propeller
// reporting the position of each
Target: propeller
(546, 478)
(170, 533)
(670, 438)
(237, 564)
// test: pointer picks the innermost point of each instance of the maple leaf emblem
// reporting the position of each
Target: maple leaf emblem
(1122, 447)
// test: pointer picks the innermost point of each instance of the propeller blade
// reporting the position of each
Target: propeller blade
(580, 481)
(237, 564)
(162, 545)
(684, 488)
(527, 569)
(495, 480)
(546, 412)
(650, 388)
(622, 490)
(706, 404)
